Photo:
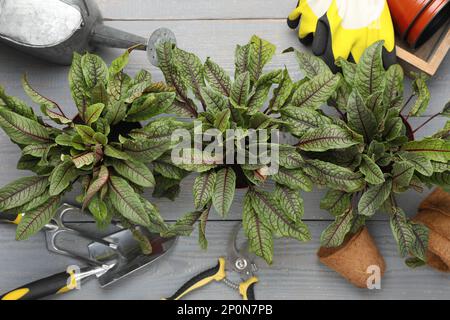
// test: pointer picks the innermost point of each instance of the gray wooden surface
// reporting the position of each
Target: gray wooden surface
(210, 28)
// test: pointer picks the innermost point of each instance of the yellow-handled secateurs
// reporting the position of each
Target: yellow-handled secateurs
(238, 261)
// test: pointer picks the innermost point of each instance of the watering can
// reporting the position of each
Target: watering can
(54, 29)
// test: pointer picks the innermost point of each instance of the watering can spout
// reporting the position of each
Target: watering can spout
(106, 36)
(54, 29)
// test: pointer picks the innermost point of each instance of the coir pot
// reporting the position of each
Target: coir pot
(434, 212)
(354, 259)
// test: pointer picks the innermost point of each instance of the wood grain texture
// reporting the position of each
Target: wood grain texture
(216, 39)
(209, 28)
(194, 9)
(295, 274)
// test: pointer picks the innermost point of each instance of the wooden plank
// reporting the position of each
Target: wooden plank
(295, 274)
(428, 57)
(52, 80)
(194, 9)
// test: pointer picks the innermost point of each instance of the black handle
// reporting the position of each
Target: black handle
(214, 274)
(56, 284)
(247, 288)
(10, 217)
(251, 292)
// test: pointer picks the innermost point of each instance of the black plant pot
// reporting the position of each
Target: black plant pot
(120, 129)
(241, 180)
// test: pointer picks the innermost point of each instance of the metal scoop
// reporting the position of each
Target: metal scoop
(54, 29)
(109, 259)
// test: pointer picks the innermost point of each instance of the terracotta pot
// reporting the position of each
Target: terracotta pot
(404, 13)
(353, 259)
(428, 22)
(417, 20)
(434, 212)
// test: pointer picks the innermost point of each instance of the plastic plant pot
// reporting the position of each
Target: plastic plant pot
(417, 20)
(431, 19)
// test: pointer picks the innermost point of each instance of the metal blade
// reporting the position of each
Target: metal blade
(130, 257)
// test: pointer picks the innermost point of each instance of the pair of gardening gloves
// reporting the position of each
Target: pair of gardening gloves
(344, 28)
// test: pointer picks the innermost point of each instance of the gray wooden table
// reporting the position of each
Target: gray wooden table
(210, 28)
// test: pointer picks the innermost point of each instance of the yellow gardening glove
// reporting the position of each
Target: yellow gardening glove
(346, 28)
(307, 15)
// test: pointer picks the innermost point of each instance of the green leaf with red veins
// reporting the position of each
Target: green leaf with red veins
(374, 198)
(259, 235)
(94, 70)
(202, 230)
(291, 201)
(36, 219)
(204, 188)
(336, 202)
(217, 77)
(241, 59)
(93, 113)
(295, 179)
(23, 130)
(260, 53)
(371, 171)
(327, 138)
(224, 190)
(335, 234)
(282, 92)
(240, 89)
(273, 216)
(360, 118)
(127, 202)
(315, 93)
(96, 185)
(21, 191)
(370, 74)
(62, 177)
(137, 173)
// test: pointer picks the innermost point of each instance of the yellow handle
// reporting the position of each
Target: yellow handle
(18, 219)
(56, 284)
(217, 273)
(11, 218)
(16, 294)
(246, 288)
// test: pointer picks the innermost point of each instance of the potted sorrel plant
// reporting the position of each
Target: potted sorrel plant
(365, 156)
(248, 104)
(106, 147)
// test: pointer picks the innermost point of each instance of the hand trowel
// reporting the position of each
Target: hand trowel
(54, 29)
(109, 259)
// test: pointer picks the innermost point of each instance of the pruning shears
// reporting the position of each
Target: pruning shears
(238, 260)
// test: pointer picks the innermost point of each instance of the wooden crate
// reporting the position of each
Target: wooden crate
(429, 56)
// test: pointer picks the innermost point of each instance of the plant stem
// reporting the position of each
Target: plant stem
(407, 103)
(393, 203)
(342, 115)
(427, 122)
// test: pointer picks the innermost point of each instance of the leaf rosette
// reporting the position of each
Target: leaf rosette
(110, 146)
